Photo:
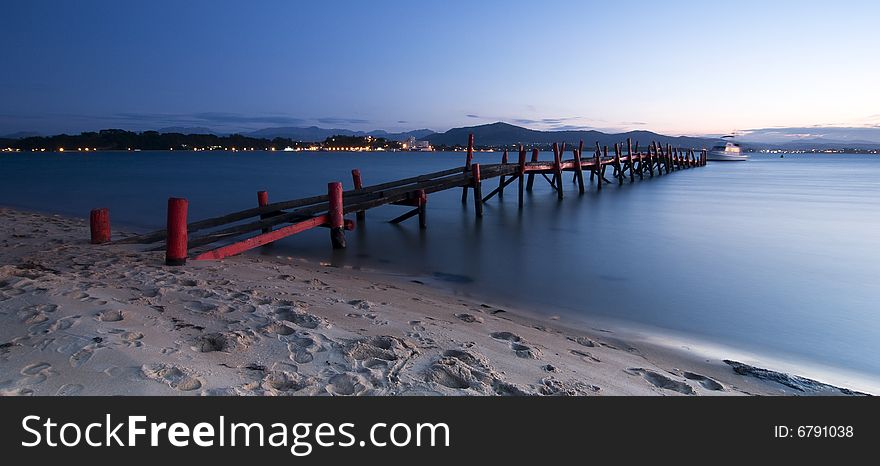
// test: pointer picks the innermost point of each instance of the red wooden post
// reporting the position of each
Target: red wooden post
(478, 190)
(467, 164)
(99, 221)
(263, 201)
(358, 185)
(337, 221)
(522, 173)
(597, 170)
(502, 178)
(176, 240)
(423, 202)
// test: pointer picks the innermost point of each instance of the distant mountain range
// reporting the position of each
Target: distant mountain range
(504, 134)
(316, 134)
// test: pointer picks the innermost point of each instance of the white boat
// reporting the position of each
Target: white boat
(727, 152)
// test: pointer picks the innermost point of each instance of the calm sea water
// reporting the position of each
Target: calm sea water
(777, 258)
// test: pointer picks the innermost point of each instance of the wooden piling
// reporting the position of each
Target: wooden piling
(557, 168)
(531, 179)
(99, 224)
(423, 209)
(176, 241)
(578, 167)
(629, 153)
(501, 179)
(617, 167)
(335, 212)
(478, 190)
(522, 174)
(263, 201)
(467, 164)
(358, 185)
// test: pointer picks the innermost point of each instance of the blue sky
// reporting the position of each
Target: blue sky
(678, 67)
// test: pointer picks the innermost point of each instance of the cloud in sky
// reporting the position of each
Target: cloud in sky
(854, 134)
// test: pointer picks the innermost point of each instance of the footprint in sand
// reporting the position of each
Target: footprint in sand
(69, 389)
(82, 356)
(212, 342)
(517, 344)
(706, 382)
(173, 376)
(583, 341)
(347, 384)
(469, 318)
(114, 315)
(288, 382)
(462, 369)
(584, 355)
(661, 381)
(301, 319)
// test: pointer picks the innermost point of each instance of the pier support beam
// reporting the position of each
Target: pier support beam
(337, 221)
(176, 241)
(522, 174)
(578, 167)
(358, 185)
(467, 165)
(557, 168)
(263, 201)
(478, 190)
(531, 179)
(501, 183)
(99, 223)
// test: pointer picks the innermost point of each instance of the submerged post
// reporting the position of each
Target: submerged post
(358, 185)
(531, 179)
(478, 190)
(557, 168)
(337, 221)
(629, 153)
(522, 173)
(467, 164)
(263, 201)
(502, 178)
(597, 170)
(578, 168)
(423, 209)
(617, 167)
(176, 240)
(99, 223)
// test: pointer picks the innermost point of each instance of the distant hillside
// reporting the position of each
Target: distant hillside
(316, 134)
(188, 130)
(501, 134)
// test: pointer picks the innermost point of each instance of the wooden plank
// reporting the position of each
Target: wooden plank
(263, 239)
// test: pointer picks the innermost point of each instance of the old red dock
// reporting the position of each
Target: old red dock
(220, 237)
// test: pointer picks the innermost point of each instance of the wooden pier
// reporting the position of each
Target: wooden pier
(220, 237)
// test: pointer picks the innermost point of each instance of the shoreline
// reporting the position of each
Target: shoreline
(111, 320)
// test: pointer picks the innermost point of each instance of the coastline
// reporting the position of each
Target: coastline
(111, 320)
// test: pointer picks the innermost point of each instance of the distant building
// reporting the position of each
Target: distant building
(413, 145)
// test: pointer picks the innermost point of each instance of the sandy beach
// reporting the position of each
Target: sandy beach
(79, 319)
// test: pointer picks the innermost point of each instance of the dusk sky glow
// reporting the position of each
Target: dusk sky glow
(681, 67)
